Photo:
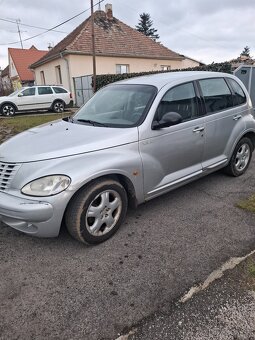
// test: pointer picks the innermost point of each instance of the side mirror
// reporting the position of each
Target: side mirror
(20, 95)
(169, 119)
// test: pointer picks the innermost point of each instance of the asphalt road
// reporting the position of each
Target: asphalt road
(60, 289)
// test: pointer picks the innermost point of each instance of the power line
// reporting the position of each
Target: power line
(41, 28)
(52, 28)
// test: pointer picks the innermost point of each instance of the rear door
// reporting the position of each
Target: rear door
(45, 97)
(223, 121)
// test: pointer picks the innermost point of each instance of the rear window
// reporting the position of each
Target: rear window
(59, 90)
(216, 94)
(45, 90)
(238, 96)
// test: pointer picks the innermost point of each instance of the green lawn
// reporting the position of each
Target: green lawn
(19, 123)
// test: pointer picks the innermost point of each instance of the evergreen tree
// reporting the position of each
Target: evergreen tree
(144, 26)
(246, 52)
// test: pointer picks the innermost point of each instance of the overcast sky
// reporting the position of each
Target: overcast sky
(205, 30)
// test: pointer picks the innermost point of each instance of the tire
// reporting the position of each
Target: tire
(106, 203)
(8, 110)
(58, 106)
(240, 159)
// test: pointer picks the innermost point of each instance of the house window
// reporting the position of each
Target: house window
(122, 69)
(165, 67)
(42, 78)
(58, 74)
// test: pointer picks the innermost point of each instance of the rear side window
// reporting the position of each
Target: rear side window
(238, 96)
(216, 94)
(59, 90)
(45, 90)
(180, 99)
(29, 92)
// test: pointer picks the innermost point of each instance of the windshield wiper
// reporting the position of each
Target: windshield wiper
(92, 122)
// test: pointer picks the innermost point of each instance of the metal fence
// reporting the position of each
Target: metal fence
(83, 89)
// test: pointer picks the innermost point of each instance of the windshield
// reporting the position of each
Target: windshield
(14, 93)
(117, 106)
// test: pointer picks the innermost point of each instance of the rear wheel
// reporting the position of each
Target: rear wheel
(8, 110)
(241, 158)
(97, 211)
(58, 106)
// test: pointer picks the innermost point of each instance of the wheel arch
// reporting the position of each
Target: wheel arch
(122, 179)
(57, 100)
(251, 136)
(10, 103)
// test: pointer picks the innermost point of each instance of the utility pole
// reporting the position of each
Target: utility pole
(93, 46)
(18, 21)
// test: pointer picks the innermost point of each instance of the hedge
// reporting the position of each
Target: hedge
(105, 79)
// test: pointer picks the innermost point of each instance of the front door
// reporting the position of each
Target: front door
(26, 99)
(174, 154)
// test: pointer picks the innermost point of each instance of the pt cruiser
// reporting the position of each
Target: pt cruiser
(132, 141)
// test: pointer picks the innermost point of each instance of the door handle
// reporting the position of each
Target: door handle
(199, 129)
(236, 117)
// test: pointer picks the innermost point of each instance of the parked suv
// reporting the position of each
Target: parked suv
(35, 98)
(132, 141)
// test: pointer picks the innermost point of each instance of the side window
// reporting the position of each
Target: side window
(45, 90)
(29, 92)
(216, 94)
(180, 99)
(239, 96)
(59, 90)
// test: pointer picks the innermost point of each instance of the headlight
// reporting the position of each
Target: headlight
(47, 186)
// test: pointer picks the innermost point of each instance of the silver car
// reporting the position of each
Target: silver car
(134, 140)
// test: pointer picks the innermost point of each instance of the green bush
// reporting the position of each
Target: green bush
(105, 79)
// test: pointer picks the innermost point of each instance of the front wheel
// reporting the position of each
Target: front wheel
(58, 106)
(241, 158)
(97, 211)
(8, 110)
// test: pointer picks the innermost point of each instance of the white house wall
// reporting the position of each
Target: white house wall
(50, 74)
(12, 69)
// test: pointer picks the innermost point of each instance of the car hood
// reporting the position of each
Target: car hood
(61, 139)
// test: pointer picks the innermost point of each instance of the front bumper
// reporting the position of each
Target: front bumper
(29, 216)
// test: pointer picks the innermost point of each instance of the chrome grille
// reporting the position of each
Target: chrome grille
(7, 172)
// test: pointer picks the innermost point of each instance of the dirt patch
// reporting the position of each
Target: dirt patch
(6, 133)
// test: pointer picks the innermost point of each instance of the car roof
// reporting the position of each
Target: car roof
(161, 79)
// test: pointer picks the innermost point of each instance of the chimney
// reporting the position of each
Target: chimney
(50, 47)
(108, 11)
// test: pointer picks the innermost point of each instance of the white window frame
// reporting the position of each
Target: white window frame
(122, 68)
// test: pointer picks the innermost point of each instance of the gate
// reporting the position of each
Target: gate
(83, 89)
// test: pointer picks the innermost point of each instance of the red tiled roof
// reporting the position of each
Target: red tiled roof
(23, 58)
(112, 38)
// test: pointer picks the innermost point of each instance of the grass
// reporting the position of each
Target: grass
(248, 204)
(250, 266)
(19, 123)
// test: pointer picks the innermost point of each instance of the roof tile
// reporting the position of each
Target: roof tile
(23, 58)
(112, 38)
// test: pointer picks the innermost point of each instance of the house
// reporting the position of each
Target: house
(5, 82)
(242, 60)
(19, 61)
(119, 49)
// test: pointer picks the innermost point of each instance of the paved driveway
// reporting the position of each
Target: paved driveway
(60, 289)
